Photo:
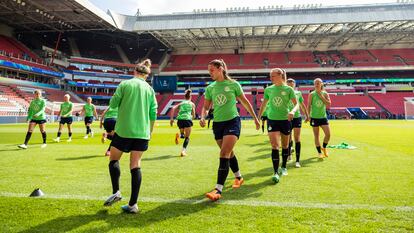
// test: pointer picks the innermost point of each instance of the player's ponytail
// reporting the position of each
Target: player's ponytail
(144, 67)
(188, 94)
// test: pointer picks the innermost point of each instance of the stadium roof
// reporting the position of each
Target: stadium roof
(278, 28)
(52, 16)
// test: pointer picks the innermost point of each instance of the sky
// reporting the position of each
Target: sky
(130, 7)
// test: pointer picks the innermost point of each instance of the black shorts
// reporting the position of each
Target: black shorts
(315, 122)
(184, 123)
(66, 120)
(40, 122)
(109, 124)
(88, 120)
(297, 122)
(264, 118)
(283, 126)
(230, 127)
(129, 144)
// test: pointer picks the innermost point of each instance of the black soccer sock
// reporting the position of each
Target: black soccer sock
(324, 145)
(136, 179)
(223, 171)
(88, 129)
(70, 134)
(186, 141)
(263, 128)
(297, 150)
(44, 137)
(58, 134)
(318, 148)
(290, 147)
(275, 160)
(115, 173)
(28, 135)
(181, 135)
(284, 157)
(234, 165)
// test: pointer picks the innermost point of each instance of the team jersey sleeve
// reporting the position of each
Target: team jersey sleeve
(30, 111)
(266, 94)
(238, 89)
(301, 100)
(153, 107)
(207, 94)
(292, 94)
(117, 97)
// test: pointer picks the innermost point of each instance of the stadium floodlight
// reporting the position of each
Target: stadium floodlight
(37, 10)
(23, 3)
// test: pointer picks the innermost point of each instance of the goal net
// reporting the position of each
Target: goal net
(409, 108)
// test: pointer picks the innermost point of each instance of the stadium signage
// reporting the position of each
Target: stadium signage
(30, 69)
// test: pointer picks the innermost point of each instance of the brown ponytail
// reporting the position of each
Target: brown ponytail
(144, 67)
(220, 63)
(188, 94)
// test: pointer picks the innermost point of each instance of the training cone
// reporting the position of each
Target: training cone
(37, 193)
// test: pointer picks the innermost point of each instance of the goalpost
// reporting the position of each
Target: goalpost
(409, 108)
(53, 108)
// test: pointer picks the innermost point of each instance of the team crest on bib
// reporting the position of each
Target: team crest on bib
(283, 92)
(277, 101)
(227, 89)
(319, 103)
(220, 100)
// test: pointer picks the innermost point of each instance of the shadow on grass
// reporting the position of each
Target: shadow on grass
(163, 157)
(80, 157)
(178, 209)
(171, 210)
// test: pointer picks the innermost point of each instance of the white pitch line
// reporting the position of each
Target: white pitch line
(231, 202)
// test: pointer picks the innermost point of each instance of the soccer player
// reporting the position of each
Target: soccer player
(318, 101)
(65, 114)
(108, 121)
(185, 118)
(36, 116)
(279, 117)
(137, 112)
(90, 111)
(223, 93)
(297, 121)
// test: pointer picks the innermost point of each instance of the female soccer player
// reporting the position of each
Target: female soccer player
(318, 101)
(108, 121)
(90, 111)
(264, 119)
(36, 115)
(297, 121)
(137, 112)
(185, 117)
(222, 93)
(279, 117)
(65, 114)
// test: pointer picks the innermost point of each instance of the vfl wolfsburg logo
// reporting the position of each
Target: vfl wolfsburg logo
(277, 101)
(36, 108)
(319, 103)
(221, 100)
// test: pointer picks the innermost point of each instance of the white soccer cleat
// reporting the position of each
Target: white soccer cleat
(86, 136)
(297, 165)
(113, 198)
(44, 145)
(69, 140)
(22, 146)
(56, 140)
(92, 134)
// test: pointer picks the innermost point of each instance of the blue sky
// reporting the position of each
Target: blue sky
(129, 7)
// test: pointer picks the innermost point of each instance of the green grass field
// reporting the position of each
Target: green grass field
(369, 189)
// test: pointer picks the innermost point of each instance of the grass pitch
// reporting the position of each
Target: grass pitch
(369, 189)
